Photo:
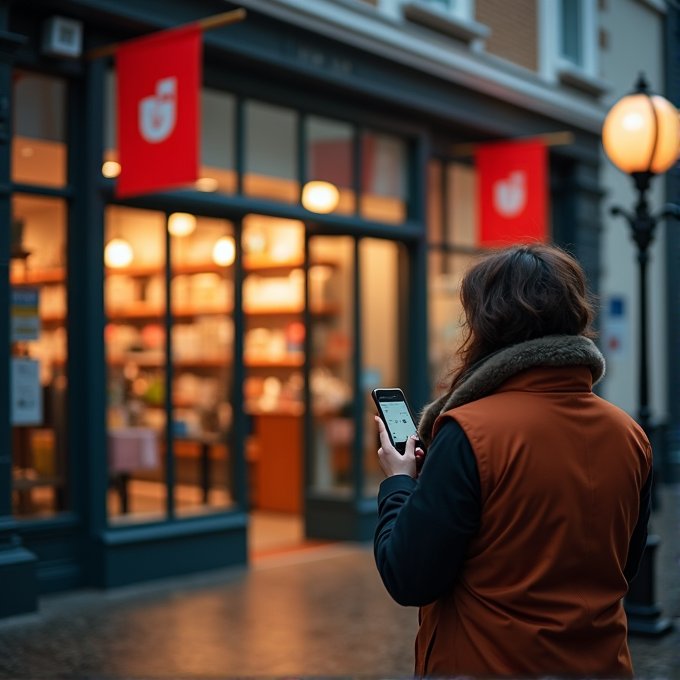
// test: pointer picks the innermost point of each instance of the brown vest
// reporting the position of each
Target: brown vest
(540, 591)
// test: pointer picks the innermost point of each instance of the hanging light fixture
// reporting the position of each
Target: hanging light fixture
(207, 184)
(118, 253)
(224, 251)
(320, 197)
(111, 169)
(181, 224)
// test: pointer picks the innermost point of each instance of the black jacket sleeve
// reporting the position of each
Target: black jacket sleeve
(638, 540)
(425, 526)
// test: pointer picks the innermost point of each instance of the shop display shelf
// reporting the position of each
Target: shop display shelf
(251, 263)
(55, 275)
(145, 312)
(136, 271)
(52, 319)
(293, 408)
(318, 309)
(23, 483)
(257, 263)
(289, 361)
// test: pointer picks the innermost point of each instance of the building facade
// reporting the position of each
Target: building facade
(181, 359)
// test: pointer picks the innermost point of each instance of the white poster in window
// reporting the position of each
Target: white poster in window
(26, 392)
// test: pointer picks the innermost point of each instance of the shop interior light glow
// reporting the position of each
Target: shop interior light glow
(181, 224)
(224, 251)
(320, 197)
(111, 169)
(118, 253)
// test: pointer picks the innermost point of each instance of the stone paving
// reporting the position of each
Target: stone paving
(321, 612)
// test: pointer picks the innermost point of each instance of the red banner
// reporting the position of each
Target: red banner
(159, 82)
(512, 193)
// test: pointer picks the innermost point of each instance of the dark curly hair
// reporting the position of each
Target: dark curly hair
(518, 294)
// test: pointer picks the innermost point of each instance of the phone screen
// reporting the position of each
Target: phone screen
(398, 419)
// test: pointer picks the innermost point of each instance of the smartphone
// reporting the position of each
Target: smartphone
(397, 416)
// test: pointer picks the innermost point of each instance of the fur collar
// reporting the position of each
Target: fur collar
(488, 375)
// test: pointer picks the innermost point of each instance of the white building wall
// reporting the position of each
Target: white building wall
(634, 30)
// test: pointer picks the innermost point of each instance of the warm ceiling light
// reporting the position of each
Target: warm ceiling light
(207, 184)
(27, 151)
(641, 132)
(224, 251)
(118, 253)
(320, 197)
(111, 169)
(181, 224)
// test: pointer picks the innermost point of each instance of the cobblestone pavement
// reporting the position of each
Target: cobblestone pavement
(317, 613)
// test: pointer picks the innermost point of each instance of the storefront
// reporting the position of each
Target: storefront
(180, 359)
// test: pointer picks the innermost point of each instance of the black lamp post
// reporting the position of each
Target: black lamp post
(640, 136)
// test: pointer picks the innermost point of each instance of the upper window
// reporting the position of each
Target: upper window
(39, 142)
(571, 38)
(569, 43)
(384, 178)
(460, 9)
(271, 152)
(330, 158)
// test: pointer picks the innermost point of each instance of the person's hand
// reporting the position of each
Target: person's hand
(392, 462)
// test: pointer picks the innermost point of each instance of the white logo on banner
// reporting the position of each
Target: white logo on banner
(510, 195)
(158, 112)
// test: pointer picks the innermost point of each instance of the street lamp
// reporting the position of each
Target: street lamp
(641, 136)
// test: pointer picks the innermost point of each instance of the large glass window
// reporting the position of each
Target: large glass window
(135, 301)
(331, 296)
(271, 165)
(202, 294)
(39, 354)
(218, 140)
(384, 181)
(141, 444)
(39, 119)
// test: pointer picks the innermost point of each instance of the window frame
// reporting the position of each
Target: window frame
(554, 67)
(462, 10)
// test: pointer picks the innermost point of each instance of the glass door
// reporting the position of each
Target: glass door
(357, 304)
(331, 297)
(383, 300)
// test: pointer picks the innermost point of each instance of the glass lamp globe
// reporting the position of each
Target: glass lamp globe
(118, 253)
(181, 224)
(641, 133)
(320, 197)
(224, 251)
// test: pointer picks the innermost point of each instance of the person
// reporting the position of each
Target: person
(519, 535)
